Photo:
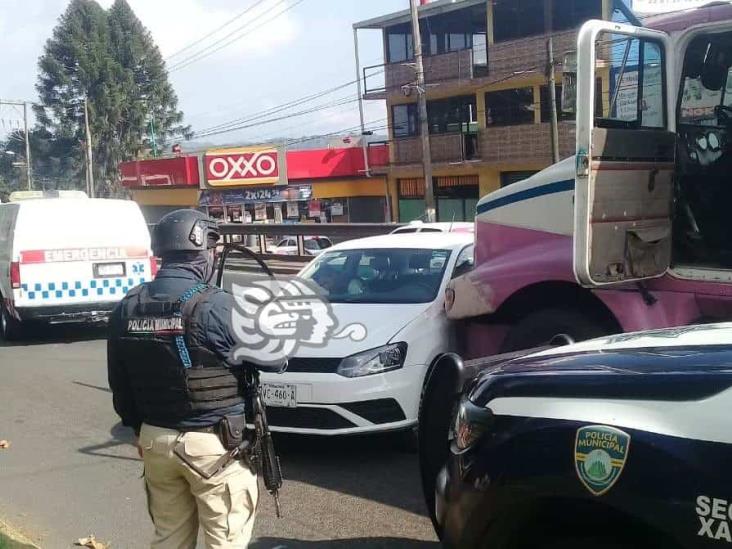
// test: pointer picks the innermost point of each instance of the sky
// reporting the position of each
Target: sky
(279, 58)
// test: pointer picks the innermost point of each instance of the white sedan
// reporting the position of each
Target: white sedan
(313, 245)
(394, 286)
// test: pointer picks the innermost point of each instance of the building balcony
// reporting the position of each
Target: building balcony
(501, 61)
(525, 143)
(450, 147)
(455, 66)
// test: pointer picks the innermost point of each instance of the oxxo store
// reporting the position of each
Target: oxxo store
(264, 185)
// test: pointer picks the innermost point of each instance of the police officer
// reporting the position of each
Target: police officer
(172, 381)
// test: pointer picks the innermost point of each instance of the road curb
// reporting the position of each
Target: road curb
(12, 539)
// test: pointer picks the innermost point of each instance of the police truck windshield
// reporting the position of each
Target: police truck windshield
(379, 275)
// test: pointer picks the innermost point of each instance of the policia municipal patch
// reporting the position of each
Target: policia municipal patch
(156, 325)
(600, 453)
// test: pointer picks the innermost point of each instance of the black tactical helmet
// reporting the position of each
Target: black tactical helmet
(184, 231)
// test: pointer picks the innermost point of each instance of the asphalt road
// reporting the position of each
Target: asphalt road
(71, 469)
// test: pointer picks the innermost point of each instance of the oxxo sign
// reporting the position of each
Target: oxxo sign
(245, 166)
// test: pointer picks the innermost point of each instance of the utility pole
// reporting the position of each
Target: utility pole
(89, 161)
(551, 80)
(429, 192)
(28, 167)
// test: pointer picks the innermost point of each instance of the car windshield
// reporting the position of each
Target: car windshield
(400, 275)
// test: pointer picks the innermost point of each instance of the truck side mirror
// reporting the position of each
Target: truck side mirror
(569, 82)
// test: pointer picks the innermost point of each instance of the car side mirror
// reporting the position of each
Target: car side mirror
(569, 83)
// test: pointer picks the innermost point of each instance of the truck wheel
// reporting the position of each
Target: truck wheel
(435, 415)
(9, 326)
(539, 328)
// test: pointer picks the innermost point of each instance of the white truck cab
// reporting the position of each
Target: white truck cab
(652, 185)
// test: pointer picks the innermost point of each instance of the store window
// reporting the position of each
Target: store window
(399, 44)
(546, 107)
(405, 120)
(509, 107)
(456, 197)
(570, 14)
(517, 19)
(509, 178)
(456, 114)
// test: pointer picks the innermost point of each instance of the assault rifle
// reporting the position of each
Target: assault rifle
(262, 451)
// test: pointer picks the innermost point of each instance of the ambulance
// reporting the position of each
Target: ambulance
(67, 258)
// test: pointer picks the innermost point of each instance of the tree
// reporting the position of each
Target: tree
(110, 59)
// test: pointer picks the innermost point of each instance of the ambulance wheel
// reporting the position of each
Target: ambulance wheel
(540, 328)
(10, 328)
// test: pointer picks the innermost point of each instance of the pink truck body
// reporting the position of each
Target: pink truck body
(524, 256)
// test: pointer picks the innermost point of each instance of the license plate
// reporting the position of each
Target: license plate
(279, 394)
(104, 270)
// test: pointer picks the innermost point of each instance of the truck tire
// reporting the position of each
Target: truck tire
(539, 328)
(10, 327)
(435, 414)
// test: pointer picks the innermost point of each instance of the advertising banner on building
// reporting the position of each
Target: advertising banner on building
(293, 210)
(250, 196)
(336, 208)
(243, 166)
(260, 211)
(661, 6)
(314, 208)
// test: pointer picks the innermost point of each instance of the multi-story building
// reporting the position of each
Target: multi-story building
(485, 64)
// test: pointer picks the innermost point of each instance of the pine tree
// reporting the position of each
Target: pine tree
(153, 104)
(111, 59)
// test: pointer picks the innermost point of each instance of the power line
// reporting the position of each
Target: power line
(217, 29)
(318, 108)
(277, 108)
(206, 52)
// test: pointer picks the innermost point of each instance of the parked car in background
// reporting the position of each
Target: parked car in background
(68, 259)
(393, 285)
(313, 245)
(439, 227)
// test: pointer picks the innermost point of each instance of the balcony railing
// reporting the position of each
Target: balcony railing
(449, 147)
(380, 80)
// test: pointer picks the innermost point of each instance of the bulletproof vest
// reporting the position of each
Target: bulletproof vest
(172, 377)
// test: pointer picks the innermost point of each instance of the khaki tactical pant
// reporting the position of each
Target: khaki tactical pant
(179, 499)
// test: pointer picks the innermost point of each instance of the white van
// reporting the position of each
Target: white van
(69, 259)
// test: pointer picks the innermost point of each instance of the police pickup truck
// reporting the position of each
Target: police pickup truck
(623, 441)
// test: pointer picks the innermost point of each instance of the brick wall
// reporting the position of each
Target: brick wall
(456, 65)
(444, 148)
(526, 143)
(527, 54)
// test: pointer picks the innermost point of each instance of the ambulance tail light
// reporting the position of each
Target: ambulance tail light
(15, 275)
(154, 265)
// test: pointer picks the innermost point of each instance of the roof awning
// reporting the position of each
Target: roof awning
(433, 8)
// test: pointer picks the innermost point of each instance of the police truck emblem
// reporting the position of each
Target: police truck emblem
(600, 453)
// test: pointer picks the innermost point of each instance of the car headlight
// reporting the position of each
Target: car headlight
(374, 361)
(471, 423)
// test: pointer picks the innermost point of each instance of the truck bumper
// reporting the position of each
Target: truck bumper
(62, 314)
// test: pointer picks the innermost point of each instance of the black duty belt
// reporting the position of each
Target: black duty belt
(213, 429)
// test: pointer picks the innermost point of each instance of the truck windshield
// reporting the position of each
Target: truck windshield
(380, 275)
